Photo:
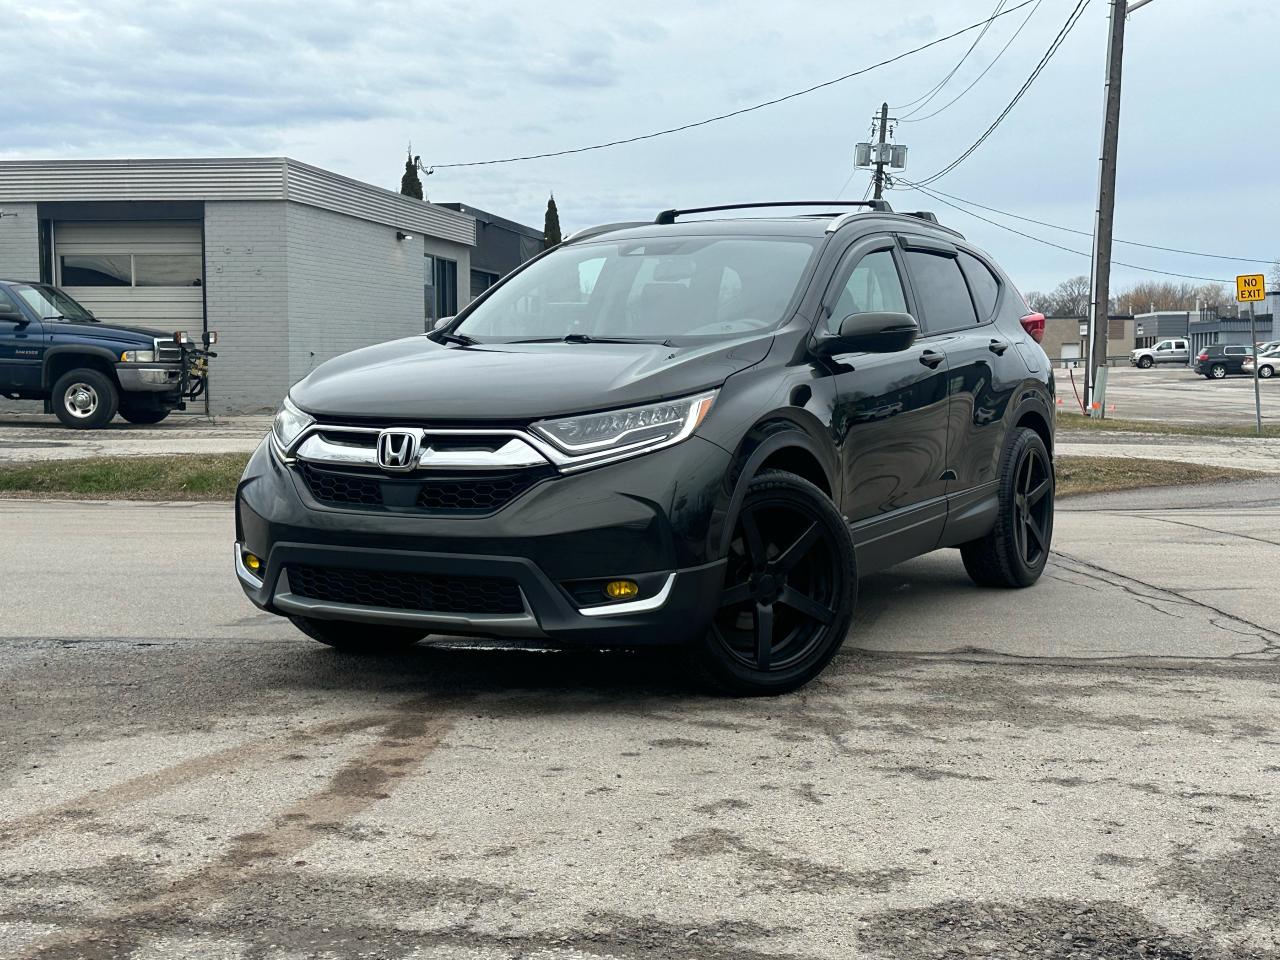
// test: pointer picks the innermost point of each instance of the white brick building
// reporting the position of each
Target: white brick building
(290, 264)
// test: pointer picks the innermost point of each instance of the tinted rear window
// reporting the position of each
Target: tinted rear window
(983, 284)
(941, 292)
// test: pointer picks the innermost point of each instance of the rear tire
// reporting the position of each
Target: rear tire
(85, 399)
(1014, 553)
(1217, 371)
(358, 637)
(143, 415)
(791, 582)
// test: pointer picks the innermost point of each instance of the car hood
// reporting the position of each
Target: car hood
(105, 331)
(420, 379)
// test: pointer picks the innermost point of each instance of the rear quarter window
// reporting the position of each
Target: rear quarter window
(983, 284)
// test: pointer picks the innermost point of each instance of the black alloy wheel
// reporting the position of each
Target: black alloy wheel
(1016, 550)
(790, 586)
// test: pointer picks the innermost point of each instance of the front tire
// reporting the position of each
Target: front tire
(85, 399)
(1016, 550)
(1266, 373)
(1145, 363)
(358, 637)
(791, 582)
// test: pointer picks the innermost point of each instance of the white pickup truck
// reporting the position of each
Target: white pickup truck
(1166, 351)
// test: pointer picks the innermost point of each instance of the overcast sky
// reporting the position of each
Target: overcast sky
(344, 85)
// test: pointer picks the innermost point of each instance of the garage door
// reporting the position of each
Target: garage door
(143, 272)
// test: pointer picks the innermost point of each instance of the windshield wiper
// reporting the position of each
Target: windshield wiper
(587, 338)
(461, 339)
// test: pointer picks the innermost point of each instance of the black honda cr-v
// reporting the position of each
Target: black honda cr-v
(688, 432)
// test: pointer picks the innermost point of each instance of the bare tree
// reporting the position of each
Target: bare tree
(1070, 298)
(1039, 302)
(1167, 295)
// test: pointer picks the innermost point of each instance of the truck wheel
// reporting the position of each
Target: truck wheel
(791, 581)
(143, 414)
(85, 399)
(1014, 553)
(358, 637)
(1145, 363)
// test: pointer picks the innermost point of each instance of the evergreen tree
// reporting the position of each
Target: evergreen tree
(551, 226)
(410, 183)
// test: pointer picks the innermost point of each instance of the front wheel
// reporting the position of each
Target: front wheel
(1266, 373)
(790, 586)
(1145, 363)
(358, 637)
(1014, 553)
(85, 399)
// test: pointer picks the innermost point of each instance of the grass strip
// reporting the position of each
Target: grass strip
(1070, 422)
(214, 477)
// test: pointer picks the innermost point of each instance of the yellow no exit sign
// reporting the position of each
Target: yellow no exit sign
(1250, 286)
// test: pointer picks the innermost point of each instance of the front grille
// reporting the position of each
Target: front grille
(168, 351)
(432, 593)
(452, 495)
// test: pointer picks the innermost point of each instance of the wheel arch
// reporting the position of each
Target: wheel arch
(1032, 412)
(60, 360)
(779, 442)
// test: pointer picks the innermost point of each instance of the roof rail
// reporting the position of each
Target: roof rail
(595, 231)
(924, 215)
(667, 217)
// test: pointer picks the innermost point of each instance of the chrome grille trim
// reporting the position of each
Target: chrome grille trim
(319, 443)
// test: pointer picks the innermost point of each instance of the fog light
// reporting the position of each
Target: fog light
(252, 562)
(621, 589)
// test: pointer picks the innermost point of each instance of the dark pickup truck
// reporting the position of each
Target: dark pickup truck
(86, 371)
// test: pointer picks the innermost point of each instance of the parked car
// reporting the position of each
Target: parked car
(1166, 351)
(1268, 363)
(54, 349)
(687, 432)
(1220, 360)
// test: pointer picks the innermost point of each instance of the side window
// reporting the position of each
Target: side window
(983, 284)
(873, 285)
(940, 291)
(1164, 345)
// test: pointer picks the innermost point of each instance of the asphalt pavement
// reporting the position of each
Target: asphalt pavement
(1088, 768)
(1175, 394)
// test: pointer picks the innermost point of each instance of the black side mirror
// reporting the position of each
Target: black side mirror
(878, 332)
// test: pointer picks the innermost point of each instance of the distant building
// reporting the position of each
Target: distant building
(291, 264)
(1066, 339)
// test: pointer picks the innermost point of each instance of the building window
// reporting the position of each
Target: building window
(481, 280)
(166, 270)
(97, 270)
(446, 284)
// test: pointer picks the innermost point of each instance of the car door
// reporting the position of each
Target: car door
(1179, 352)
(890, 417)
(21, 346)
(959, 297)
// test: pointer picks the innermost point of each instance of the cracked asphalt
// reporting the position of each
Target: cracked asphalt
(1090, 768)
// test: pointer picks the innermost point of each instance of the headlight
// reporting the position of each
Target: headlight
(138, 356)
(634, 430)
(289, 423)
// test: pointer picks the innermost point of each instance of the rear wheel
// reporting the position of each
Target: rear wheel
(1145, 363)
(143, 414)
(790, 586)
(85, 399)
(358, 637)
(1217, 371)
(1014, 553)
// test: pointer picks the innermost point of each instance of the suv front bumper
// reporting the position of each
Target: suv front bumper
(650, 519)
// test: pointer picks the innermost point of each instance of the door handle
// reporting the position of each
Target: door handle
(931, 358)
(998, 347)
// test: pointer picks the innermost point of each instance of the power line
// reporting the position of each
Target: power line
(937, 88)
(1050, 243)
(1008, 43)
(1086, 233)
(1072, 19)
(733, 113)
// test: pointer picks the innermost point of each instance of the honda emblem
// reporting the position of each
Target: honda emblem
(398, 450)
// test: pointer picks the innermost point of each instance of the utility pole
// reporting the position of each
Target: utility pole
(878, 176)
(1100, 279)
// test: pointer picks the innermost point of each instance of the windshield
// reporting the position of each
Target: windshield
(50, 302)
(661, 289)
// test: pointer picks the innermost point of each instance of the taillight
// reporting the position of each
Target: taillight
(1033, 323)
(1204, 355)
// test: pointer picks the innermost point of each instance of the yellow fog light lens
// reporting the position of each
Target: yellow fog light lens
(621, 589)
(252, 562)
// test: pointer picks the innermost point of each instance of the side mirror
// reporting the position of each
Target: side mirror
(442, 323)
(10, 311)
(877, 332)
